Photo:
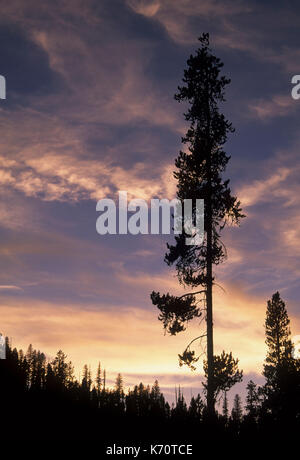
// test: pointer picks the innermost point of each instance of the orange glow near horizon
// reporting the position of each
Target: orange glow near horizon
(131, 340)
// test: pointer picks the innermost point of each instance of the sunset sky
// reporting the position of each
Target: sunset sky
(90, 111)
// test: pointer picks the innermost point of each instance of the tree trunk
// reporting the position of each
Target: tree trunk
(209, 315)
(209, 308)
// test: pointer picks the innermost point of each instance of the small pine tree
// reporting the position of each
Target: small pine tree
(86, 380)
(104, 381)
(119, 385)
(98, 380)
(237, 413)
(180, 409)
(225, 410)
(119, 392)
(226, 373)
(196, 407)
(155, 391)
(252, 400)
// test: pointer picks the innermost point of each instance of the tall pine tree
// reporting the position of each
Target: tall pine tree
(199, 176)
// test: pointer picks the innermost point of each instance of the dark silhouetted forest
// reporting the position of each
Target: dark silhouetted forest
(41, 397)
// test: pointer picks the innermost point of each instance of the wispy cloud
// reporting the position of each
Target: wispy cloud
(10, 287)
(67, 178)
(176, 16)
(265, 189)
(278, 106)
(53, 157)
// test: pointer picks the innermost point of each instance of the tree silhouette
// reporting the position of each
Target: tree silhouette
(281, 369)
(98, 380)
(59, 405)
(196, 407)
(119, 385)
(86, 382)
(252, 401)
(62, 371)
(225, 410)
(226, 373)
(237, 412)
(119, 396)
(277, 339)
(199, 175)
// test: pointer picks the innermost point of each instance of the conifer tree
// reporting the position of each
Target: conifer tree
(86, 381)
(252, 400)
(98, 380)
(226, 373)
(199, 176)
(180, 410)
(104, 381)
(119, 392)
(63, 371)
(196, 407)
(279, 354)
(225, 410)
(281, 369)
(119, 384)
(237, 412)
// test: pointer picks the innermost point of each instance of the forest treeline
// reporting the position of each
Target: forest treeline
(42, 396)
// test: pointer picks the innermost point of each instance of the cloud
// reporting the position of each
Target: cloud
(277, 106)
(67, 178)
(265, 189)
(236, 26)
(145, 8)
(265, 248)
(287, 56)
(50, 144)
(10, 287)
(176, 16)
(65, 145)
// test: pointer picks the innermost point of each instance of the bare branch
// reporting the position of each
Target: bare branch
(192, 293)
(199, 337)
(221, 287)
